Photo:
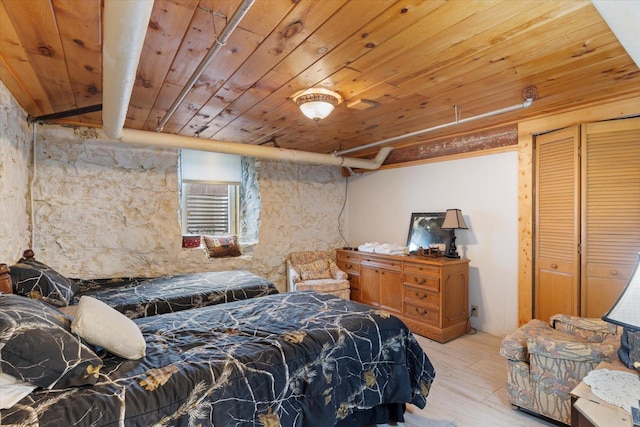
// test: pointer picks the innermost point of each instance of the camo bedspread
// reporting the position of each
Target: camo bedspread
(291, 359)
(149, 297)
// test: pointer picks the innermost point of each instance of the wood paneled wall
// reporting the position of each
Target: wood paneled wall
(526, 131)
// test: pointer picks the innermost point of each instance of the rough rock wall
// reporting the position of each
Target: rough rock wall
(105, 209)
(301, 205)
(102, 208)
(15, 173)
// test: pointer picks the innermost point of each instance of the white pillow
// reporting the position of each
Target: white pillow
(103, 326)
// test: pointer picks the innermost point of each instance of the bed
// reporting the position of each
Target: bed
(290, 359)
(148, 297)
(138, 297)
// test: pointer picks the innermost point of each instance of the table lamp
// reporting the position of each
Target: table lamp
(626, 313)
(453, 220)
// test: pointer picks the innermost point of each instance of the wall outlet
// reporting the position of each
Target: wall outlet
(474, 311)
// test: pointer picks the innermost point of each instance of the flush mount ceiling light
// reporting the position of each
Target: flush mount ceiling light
(317, 103)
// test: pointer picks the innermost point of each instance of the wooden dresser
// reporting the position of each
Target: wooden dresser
(431, 295)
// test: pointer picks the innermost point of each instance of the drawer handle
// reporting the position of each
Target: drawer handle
(349, 266)
(419, 281)
(420, 295)
(614, 272)
(421, 312)
(554, 266)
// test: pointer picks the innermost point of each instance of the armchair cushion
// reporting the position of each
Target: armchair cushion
(336, 273)
(555, 346)
(588, 329)
(515, 345)
(306, 257)
(314, 270)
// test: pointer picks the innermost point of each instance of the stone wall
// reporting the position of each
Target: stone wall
(15, 175)
(105, 209)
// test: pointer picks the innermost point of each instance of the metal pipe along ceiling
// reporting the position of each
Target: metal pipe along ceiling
(525, 104)
(125, 27)
(219, 42)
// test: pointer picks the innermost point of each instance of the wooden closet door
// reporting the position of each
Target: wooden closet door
(610, 211)
(557, 226)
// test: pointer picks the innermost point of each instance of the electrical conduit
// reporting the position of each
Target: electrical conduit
(126, 23)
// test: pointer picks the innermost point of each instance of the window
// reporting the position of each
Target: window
(209, 208)
(210, 186)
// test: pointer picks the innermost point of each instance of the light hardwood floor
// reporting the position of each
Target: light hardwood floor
(470, 386)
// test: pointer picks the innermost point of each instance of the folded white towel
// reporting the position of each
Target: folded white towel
(368, 247)
(383, 248)
(391, 251)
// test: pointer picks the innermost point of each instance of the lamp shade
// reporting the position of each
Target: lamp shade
(317, 103)
(454, 220)
(316, 110)
(626, 310)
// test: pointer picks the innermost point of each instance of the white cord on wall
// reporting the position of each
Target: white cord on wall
(33, 179)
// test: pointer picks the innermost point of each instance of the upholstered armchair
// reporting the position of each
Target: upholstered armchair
(316, 270)
(545, 361)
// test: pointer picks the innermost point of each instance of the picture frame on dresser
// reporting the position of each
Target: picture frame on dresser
(425, 231)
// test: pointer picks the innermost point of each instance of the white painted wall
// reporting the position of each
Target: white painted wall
(380, 204)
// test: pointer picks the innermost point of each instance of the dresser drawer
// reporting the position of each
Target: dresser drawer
(424, 314)
(348, 266)
(430, 283)
(387, 264)
(419, 296)
(422, 269)
(347, 257)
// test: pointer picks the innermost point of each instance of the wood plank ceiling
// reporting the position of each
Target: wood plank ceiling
(412, 61)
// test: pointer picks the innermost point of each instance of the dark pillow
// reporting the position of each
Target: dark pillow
(36, 280)
(222, 246)
(37, 346)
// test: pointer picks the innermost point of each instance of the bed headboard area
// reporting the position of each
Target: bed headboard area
(34, 279)
(5, 280)
(28, 254)
(135, 296)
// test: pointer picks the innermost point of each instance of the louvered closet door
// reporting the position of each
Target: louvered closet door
(557, 231)
(610, 209)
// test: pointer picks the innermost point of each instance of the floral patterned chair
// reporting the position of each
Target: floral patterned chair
(316, 270)
(545, 361)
